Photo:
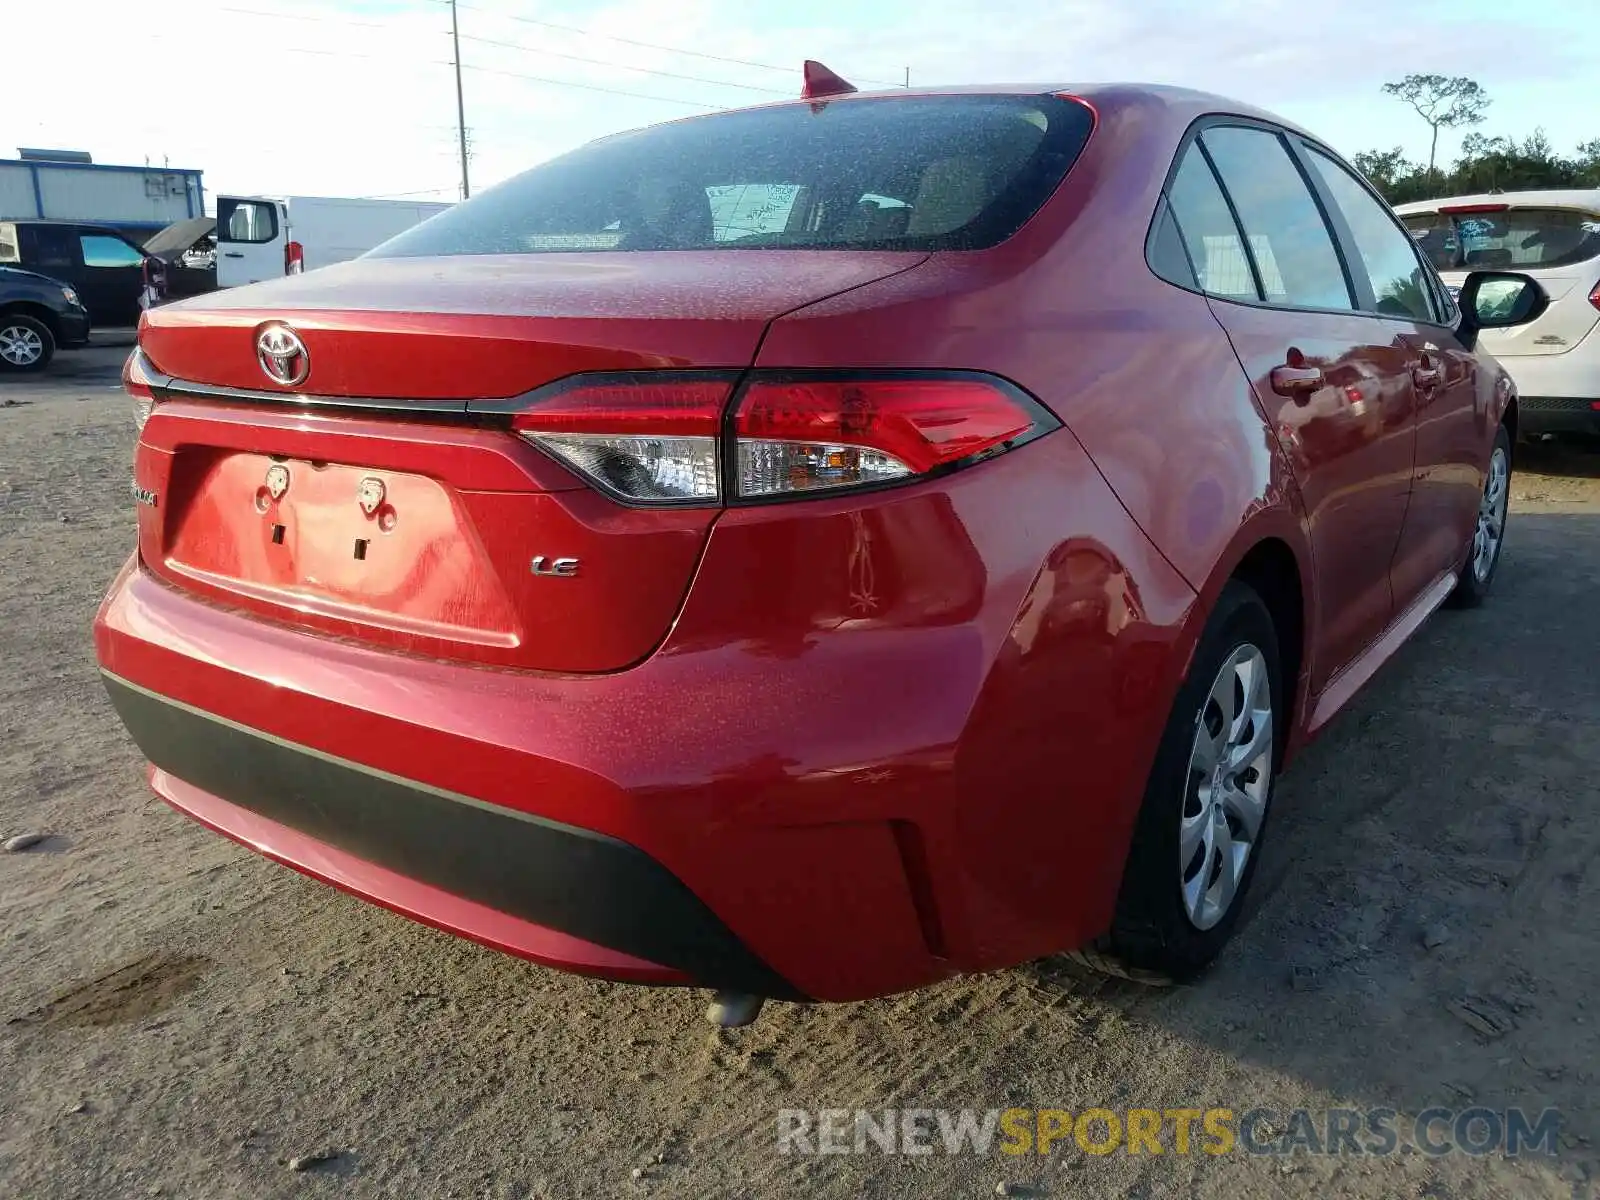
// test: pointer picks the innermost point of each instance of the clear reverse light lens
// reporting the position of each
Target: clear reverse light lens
(778, 468)
(641, 468)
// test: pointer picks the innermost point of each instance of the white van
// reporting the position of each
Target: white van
(1555, 237)
(262, 237)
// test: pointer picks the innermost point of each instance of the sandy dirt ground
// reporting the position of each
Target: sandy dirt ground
(179, 1018)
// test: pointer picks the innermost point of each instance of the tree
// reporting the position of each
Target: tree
(1588, 164)
(1444, 102)
(1503, 164)
(1385, 168)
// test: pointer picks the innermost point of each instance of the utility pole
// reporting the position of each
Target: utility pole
(908, 71)
(461, 107)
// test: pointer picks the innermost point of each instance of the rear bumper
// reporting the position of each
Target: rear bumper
(575, 821)
(869, 754)
(559, 895)
(1558, 414)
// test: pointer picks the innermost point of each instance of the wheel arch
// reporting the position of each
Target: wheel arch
(1272, 554)
(32, 308)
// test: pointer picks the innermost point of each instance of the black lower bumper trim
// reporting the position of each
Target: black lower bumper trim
(584, 884)
(1557, 414)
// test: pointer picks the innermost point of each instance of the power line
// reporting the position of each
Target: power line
(318, 18)
(742, 62)
(602, 62)
(433, 191)
(589, 87)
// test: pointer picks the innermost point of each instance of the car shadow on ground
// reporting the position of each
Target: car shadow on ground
(1421, 929)
(1572, 457)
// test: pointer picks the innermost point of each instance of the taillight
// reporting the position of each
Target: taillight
(1594, 296)
(648, 438)
(136, 381)
(662, 438)
(806, 434)
(294, 258)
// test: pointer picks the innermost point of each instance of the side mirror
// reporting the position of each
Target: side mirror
(1498, 300)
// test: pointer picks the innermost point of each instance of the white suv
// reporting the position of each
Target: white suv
(1555, 237)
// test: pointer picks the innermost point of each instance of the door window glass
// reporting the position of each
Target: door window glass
(1209, 231)
(47, 248)
(1168, 258)
(102, 251)
(1290, 240)
(254, 221)
(1387, 252)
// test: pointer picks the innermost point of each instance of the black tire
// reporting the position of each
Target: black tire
(1152, 938)
(18, 326)
(1472, 585)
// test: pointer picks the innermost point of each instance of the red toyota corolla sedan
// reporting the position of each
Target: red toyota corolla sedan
(814, 550)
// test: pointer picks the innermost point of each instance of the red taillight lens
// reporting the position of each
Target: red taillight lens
(660, 438)
(1594, 296)
(137, 382)
(801, 435)
(648, 438)
(294, 258)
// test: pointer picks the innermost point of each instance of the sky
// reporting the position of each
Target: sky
(357, 97)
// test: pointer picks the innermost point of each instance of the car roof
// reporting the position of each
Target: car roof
(1182, 105)
(1584, 198)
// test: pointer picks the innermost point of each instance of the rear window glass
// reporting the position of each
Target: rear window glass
(919, 173)
(1519, 238)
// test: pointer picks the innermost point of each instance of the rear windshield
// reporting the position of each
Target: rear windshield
(1518, 238)
(918, 173)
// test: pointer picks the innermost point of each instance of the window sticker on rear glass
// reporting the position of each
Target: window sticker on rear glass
(1476, 234)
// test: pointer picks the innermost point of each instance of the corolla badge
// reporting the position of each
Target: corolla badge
(277, 481)
(282, 355)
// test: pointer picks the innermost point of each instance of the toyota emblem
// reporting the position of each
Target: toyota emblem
(282, 355)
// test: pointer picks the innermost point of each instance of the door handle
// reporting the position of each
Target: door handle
(231, 254)
(1296, 381)
(1425, 376)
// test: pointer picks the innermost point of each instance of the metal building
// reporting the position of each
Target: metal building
(68, 185)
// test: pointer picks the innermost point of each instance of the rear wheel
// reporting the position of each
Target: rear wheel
(1489, 531)
(26, 343)
(1195, 846)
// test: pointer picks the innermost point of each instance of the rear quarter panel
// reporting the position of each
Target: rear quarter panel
(1161, 419)
(1138, 369)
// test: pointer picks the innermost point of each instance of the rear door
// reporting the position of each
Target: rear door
(1454, 431)
(1332, 381)
(112, 277)
(53, 250)
(251, 234)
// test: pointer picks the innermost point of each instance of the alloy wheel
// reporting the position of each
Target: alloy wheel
(20, 346)
(1491, 528)
(1230, 774)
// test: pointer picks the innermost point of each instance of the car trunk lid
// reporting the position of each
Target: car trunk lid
(365, 501)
